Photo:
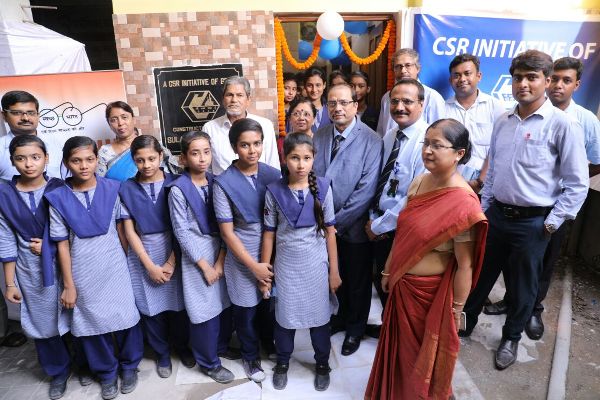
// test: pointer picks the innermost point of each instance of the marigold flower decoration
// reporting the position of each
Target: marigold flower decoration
(281, 47)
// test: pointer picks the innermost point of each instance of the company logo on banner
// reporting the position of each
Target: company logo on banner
(188, 97)
(71, 104)
(496, 41)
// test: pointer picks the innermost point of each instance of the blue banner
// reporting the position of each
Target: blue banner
(496, 41)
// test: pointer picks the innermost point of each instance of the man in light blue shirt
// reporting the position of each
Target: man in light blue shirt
(20, 111)
(476, 110)
(405, 63)
(536, 180)
(402, 162)
(565, 80)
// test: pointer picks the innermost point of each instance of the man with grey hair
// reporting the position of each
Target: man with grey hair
(405, 63)
(236, 99)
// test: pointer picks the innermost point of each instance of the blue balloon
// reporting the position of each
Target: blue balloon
(356, 27)
(304, 49)
(342, 59)
(330, 49)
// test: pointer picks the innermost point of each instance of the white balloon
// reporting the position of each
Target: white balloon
(330, 25)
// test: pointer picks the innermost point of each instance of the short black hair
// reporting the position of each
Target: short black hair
(360, 74)
(463, 58)
(315, 71)
(145, 142)
(456, 133)
(532, 60)
(352, 91)
(189, 137)
(414, 82)
(76, 142)
(300, 100)
(569, 63)
(18, 96)
(25, 140)
(335, 73)
(118, 104)
(244, 125)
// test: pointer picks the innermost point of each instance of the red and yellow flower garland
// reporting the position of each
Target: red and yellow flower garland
(281, 47)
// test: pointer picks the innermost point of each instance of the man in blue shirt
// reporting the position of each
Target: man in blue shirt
(565, 80)
(536, 180)
(402, 162)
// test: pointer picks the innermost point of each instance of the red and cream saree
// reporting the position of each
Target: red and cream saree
(418, 345)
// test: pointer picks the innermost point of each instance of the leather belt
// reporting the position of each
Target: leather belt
(516, 212)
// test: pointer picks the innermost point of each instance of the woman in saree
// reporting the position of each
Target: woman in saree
(114, 159)
(435, 261)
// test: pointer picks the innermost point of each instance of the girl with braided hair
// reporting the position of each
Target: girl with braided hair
(299, 220)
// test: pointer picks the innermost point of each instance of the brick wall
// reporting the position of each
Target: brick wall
(146, 41)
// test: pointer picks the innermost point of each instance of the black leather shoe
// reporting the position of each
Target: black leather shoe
(187, 359)
(14, 339)
(58, 387)
(219, 374)
(496, 308)
(280, 378)
(350, 345)
(231, 354)
(506, 355)
(535, 327)
(373, 331)
(322, 377)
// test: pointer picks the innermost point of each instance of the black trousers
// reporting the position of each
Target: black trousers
(381, 251)
(550, 257)
(515, 246)
(354, 296)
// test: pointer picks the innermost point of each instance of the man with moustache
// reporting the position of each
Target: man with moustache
(476, 110)
(349, 153)
(537, 179)
(405, 63)
(20, 110)
(565, 80)
(236, 99)
(402, 147)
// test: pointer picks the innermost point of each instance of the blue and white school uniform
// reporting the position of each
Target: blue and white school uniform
(301, 266)
(240, 199)
(161, 305)
(105, 302)
(195, 227)
(23, 215)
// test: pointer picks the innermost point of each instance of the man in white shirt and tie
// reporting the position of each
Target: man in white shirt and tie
(402, 162)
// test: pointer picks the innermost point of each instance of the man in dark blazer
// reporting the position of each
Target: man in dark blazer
(349, 153)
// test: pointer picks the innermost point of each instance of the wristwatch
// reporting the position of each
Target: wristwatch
(550, 228)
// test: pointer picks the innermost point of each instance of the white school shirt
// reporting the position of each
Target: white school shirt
(538, 161)
(479, 121)
(222, 153)
(409, 164)
(54, 147)
(433, 109)
(591, 130)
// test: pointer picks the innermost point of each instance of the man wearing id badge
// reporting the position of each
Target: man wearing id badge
(402, 163)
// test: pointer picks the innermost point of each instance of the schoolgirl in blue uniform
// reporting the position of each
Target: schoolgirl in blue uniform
(239, 194)
(151, 255)
(194, 225)
(29, 256)
(97, 285)
(299, 217)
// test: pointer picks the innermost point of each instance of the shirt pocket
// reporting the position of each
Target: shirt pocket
(484, 134)
(534, 153)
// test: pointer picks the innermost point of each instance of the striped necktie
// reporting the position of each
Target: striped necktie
(337, 140)
(387, 169)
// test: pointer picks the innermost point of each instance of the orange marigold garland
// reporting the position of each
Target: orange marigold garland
(391, 78)
(368, 60)
(281, 47)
